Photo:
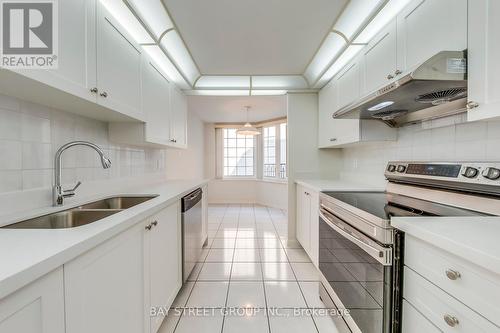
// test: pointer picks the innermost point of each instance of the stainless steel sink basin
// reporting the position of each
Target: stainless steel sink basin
(116, 203)
(81, 215)
(65, 219)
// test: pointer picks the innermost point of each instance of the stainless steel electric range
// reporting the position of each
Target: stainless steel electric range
(361, 254)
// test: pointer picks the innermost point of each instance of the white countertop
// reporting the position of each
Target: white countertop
(26, 255)
(337, 185)
(476, 239)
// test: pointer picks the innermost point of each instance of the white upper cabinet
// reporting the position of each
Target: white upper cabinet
(380, 59)
(76, 72)
(36, 308)
(118, 67)
(156, 104)
(426, 27)
(178, 128)
(348, 83)
(483, 55)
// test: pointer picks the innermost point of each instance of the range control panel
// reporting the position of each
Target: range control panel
(467, 172)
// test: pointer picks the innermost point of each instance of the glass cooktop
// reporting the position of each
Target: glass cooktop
(384, 205)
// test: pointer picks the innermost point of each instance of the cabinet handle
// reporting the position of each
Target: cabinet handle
(472, 105)
(397, 72)
(450, 320)
(452, 275)
(333, 139)
(154, 224)
(94, 90)
(390, 77)
(148, 227)
(173, 140)
(104, 94)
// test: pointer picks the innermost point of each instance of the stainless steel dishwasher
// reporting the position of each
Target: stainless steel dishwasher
(192, 239)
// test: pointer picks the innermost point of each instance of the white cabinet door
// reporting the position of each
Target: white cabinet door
(314, 227)
(163, 248)
(348, 84)
(155, 104)
(104, 288)
(178, 132)
(36, 308)
(118, 67)
(426, 27)
(482, 57)
(327, 105)
(303, 217)
(380, 59)
(76, 72)
(415, 322)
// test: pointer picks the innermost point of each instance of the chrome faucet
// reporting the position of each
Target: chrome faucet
(58, 193)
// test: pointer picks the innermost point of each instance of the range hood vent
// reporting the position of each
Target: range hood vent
(435, 89)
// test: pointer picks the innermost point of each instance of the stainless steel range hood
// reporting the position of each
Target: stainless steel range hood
(436, 88)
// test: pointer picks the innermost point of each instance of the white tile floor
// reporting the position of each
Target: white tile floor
(249, 264)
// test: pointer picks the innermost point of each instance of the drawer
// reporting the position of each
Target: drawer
(436, 305)
(415, 322)
(474, 286)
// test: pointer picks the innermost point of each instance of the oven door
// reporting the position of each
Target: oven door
(358, 274)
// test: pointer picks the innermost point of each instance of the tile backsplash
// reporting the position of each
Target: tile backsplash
(30, 134)
(475, 141)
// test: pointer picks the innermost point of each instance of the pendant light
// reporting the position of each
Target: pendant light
(247, 129)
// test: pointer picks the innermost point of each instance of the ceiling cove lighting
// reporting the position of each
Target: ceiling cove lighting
(223, 82)
(175, 47)
(341, 62)
(165, 65)
(217, 92)
(119, 10)
(247, 129)
(268, 92)
(352, 19)
(276, 82)
(153, 14)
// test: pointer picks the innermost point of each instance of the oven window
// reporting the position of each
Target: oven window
(361, 283)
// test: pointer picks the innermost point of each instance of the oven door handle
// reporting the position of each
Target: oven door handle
(382, 254)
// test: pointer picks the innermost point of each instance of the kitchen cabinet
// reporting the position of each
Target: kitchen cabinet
(178, 127)
(163, 260)
(76, 72)
(36, 308)
(348, 84)
(113, 287)
(426, 27)
(118, 67)
(104, 288)
(204, 216)
(308, 221)
(415, 322)
(338, 133)
(482, 57)
(379, 64)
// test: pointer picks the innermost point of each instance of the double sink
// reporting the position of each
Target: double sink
(81, 215)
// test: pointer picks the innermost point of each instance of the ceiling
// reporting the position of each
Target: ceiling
(253, 37)
(216, 109)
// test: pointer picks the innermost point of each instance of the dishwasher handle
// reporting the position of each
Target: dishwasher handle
(191, 199)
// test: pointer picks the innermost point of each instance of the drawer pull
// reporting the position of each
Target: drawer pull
(452, 275)
(450, 320)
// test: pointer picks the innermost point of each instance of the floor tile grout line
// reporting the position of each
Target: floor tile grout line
(265, 294)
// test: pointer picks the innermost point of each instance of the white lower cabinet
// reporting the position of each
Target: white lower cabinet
(415, 322)
(36, 308)
(163, 259)
(308, 221)
(453, 294)
(104, 288)
(112, 287)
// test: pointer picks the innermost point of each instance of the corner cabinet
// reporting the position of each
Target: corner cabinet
(482, 57)
(36, 308)
(112, 287)
(308, 221)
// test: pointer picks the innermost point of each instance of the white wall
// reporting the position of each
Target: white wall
(305, 160)
(478, 141)
(188, 163)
